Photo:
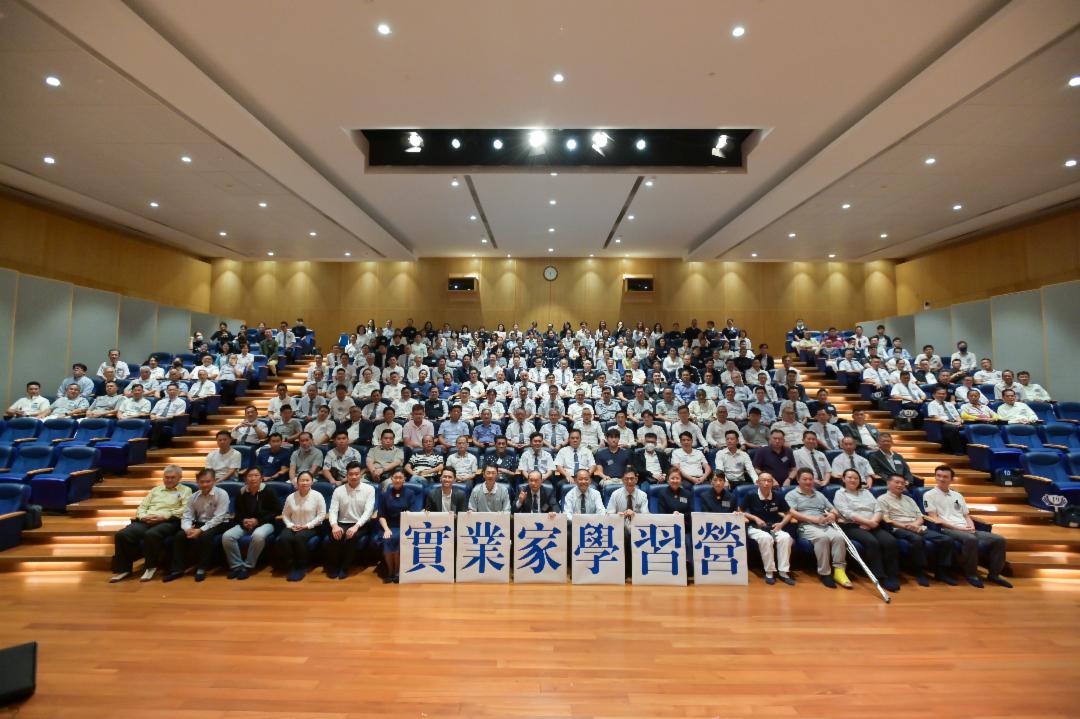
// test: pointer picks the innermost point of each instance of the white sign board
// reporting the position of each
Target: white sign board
(539, 548)
(658, 549)
(427, 547)
(483, 547)
(719, 548)
(597, 555)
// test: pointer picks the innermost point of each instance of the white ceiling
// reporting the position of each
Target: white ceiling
(851, 94)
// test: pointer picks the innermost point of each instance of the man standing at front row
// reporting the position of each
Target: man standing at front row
(157, 517)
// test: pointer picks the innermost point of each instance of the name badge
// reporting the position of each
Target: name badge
(682, 499)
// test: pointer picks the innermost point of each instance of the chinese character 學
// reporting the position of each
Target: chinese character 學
(534, 550)
(486, 541)
(660, 543)
(596, 543)
(717, 544)
(428, 546)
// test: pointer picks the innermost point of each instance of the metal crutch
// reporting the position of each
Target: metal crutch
(855, 553)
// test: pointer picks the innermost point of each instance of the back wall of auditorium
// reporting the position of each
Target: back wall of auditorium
(764, 297)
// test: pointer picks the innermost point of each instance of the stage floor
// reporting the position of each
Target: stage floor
(359, 648)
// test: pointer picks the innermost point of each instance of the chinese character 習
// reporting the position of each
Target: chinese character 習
(427, 546)
(485, 548)
(657, 538)
(718, 544)
(534, 552)
(596, 543)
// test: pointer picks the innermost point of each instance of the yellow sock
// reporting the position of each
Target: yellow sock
(841, 577)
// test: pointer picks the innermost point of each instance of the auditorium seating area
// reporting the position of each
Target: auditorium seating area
(98, 469)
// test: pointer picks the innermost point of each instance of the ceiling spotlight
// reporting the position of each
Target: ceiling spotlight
(313, 233)
(600, 141)
(455, 143)
(454, 182)
(738, 31)
(557, 77)
(537, 140)
(416, 143)
(52, 81)
(484, 240)
(884, 235)
(640, 144)
(592, 255)
(845, 206)
(472, 218)
(630, 217)
(269, 254)
(383, 29)
(348, 254)
(508, 257)
(930, 160)
(552, 202)
(551, 249)
(650, 182)
(1070, 163)
(554, 174)
(721, 143)
(49, 160)
(957, 207)
(263, 205)
(153, 203)
(618, 240)
(791, 235)
(497, 144)
(185, 159)
(832, 256)
(1074, 81)
(551, 229)
(474, 254)
(753, 254)
(223, 233)
(571, 144)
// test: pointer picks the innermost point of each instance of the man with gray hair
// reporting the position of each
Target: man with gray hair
(157, 518)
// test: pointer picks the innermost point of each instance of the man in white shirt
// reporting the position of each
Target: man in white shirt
(966, 359)
(828, 434)
(524, 402)
(847, 459)
(736, 464)
(462, 462)
(967, 385)
(793, 430)
(928, 355)
(810, 457)
(719, 427)
(72, 404)
(583, 498)
(876, 375)
(592, 433)
(163, 414)
(554, 432)
(32, 405)
(224, 461)
(573, 457)
(1008, 381)
(1014, 412)
(78, 376)
(986, 373)
(850, 364)
(667, 409)
(134, 406)
(685, 424)
(690, 461)
(1033, 392)
(536, 459)
(322, 428)
(947, 508)
(121, 369)
(340, 404)
(638, 405)
(736, 410)
(387, 423)
(519, 429)
(351, 507)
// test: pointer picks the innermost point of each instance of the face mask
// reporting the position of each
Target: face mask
(650, 447)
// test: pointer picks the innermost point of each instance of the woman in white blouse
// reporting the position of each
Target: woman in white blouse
(303, 514)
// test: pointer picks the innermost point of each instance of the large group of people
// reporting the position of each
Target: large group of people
(546, 419)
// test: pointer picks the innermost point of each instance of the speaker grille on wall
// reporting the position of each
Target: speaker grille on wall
(639, 284)
(461, 284)
(18, 672)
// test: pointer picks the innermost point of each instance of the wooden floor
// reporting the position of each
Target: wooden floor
(358, 648)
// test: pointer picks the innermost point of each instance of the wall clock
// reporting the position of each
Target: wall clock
(550, 273)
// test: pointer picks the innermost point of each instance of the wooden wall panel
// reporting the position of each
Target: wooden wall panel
(46, 243)
(1029, 256)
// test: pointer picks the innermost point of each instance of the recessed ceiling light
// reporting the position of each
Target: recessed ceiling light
(640, 144)
(1070, 163)
(649, 182)
(738, 31)
(537, 138)
(551, 249)
(753, 254)
(49, 160)
(348, 254)
(455, 143)
(269, 254)
(591, 255)
(454, 182)
(791, 235)
(618, 240)
(264, 205)
(222, 233)
(1074, 81)
(508, 257)
(845, 206)
(884, 235)
(551, 229)
(383, 29)
(52, 81)
(497, 144)
(185, 159)
(557, 77)
(474, 254)
(957, 207)
(554, 174)
(484, 240)
(313, 233)
(831, 256)
(153, 203)
(552, 202)
(930, 160)
(571, 145)
(630, 217)
(472, 218)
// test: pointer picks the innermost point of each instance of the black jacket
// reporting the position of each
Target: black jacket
(638, 463)
(263, 506)
(547, 503)
(458, 501)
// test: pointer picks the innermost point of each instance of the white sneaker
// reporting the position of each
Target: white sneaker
(119, 577)
(148, 575)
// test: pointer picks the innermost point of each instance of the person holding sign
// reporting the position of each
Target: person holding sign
(583, 498)
(767, 514)
(535, 497)
(446, 497)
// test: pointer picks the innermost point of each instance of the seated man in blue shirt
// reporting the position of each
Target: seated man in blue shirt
(485, 431)
(273, 459)
(721, 498)
(612, 460)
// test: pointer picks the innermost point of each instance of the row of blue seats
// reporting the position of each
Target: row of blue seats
(57, 476)
(1051, 478)
(995, 448)
(121, 443)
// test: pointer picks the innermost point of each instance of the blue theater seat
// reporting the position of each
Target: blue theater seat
(69, 481)
(14, 500)
(126, 446)
(28, 461)
(19, 430)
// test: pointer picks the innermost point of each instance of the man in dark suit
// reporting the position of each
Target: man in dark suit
(446, 497)
(886, 463)
(865, 435)
(651, 464)
(535, 497)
